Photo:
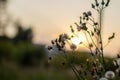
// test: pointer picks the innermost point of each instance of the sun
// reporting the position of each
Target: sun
(75, 40)
(79, 39)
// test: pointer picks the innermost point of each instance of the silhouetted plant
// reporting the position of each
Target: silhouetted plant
(23, 35)
(95, 67)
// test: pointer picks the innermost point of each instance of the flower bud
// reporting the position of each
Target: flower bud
(89, 13)
(108, 1)
(102, 3)
(93, 6)
(73, 46)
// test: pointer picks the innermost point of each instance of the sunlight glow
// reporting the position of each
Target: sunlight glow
(79, 39)
(82, 37)
(75, 40)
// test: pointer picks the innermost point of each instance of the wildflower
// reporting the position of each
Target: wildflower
(72, 30)
(78, 27)
(58, 46)
(95, 23)
(84, 26)
(49, 47)
(80, 20)
(103, 78)
(95, 29)
(111, 37)
(102, 3)
(89, 13)
(63, 37)
(118, 61)
(90, 45)
(56, 40)
(73, 46)
(55, 48)
(85, 14)
(109, 74)
(92, 33)
(93, 6)
(97, 4)
(98, 32)
(52, 41)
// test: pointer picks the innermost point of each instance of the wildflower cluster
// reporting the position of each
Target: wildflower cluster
(59, 43)
(95, 67)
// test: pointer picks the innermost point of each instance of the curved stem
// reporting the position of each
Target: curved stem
(88, 44)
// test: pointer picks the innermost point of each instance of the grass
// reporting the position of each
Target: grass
(10, 72)
(52, 71)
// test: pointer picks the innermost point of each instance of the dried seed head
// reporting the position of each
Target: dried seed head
(102, 3)
(52, 41)
(49, 47)
(85, 14)
(73, 46)
(78, 26)
(92, 33)
(96, 3)
(89, 13)
(118, 56)
(95, 23)
(90, 45)
(63, 37)
(110, 74)
(72, 30)
(56, 40)
(93, 6)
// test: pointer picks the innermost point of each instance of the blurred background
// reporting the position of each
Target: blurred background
(28, 26)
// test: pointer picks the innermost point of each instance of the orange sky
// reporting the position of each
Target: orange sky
(51, 17)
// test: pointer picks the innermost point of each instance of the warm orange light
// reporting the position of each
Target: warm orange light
(80, 38)
(75, 40)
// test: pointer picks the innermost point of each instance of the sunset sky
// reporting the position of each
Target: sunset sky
(51, 17)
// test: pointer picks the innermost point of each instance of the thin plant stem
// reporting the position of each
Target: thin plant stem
(101, 12)
(89, 47)
(75, 73)
(94, 42)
